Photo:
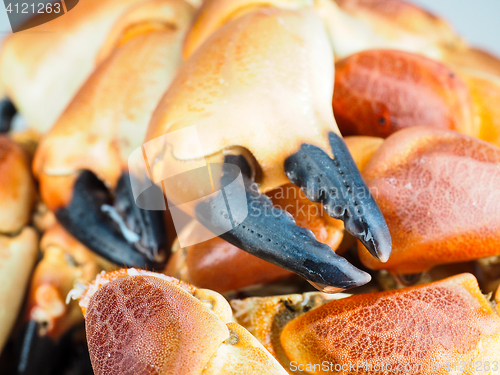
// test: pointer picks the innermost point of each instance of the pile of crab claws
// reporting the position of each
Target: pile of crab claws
(426, 179)
(428, 325)
(143, 322)
(115, 229)
(337, 184)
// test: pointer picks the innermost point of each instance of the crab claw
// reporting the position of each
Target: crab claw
(419, 330)
(141, 322)
(116, 229)
(338, 185)
(47, 317)
(271, 234)
(82, 161)
(281, 62)
(7, 112)
(438, 192)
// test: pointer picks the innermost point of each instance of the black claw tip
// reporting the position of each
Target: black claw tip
(7, 113)
(271, 234)
(337, 183)
(117, 230)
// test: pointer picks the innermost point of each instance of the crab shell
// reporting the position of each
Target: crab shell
(139, 321)
(485, 92)
(17, 187)
(18, 255)
(378, 92)
(428, 325)
(438, 192)
(18, 242)
(105, 120)
(41, 69)
(65, 262)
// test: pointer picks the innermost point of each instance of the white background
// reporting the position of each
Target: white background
(478, 21)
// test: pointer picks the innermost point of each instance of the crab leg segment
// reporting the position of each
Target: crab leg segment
(272, 234)
(338, 185)
(119, 231)
(7, 112)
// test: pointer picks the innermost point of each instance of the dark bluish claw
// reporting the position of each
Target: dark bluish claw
(7, 113)
(116, 229)
(38, 353)
(337, 184)
(35, 353)
(271, 234)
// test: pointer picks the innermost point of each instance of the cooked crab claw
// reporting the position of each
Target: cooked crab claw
(419, 330)
(271, 233)
(337, 184)
(141, 322)
(81, 163)
(7, 113)
(116, 229)
(438, 192)
(271, 82)
(47, 318)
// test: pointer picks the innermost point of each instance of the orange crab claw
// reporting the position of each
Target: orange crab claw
(424, 330)
(141, 322)
(47, 317)
(437, 191)
(378, 92)
(82, 161)
(485, 92)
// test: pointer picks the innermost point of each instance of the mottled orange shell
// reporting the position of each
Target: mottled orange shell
(378, 92)
(146, 325)
(17, 188)
(438, 191)
(425, 325)
(485, 92)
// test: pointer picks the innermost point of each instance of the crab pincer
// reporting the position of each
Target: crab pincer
(254, 102)
(82, 162)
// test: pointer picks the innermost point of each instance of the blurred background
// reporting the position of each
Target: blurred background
(478, 21)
